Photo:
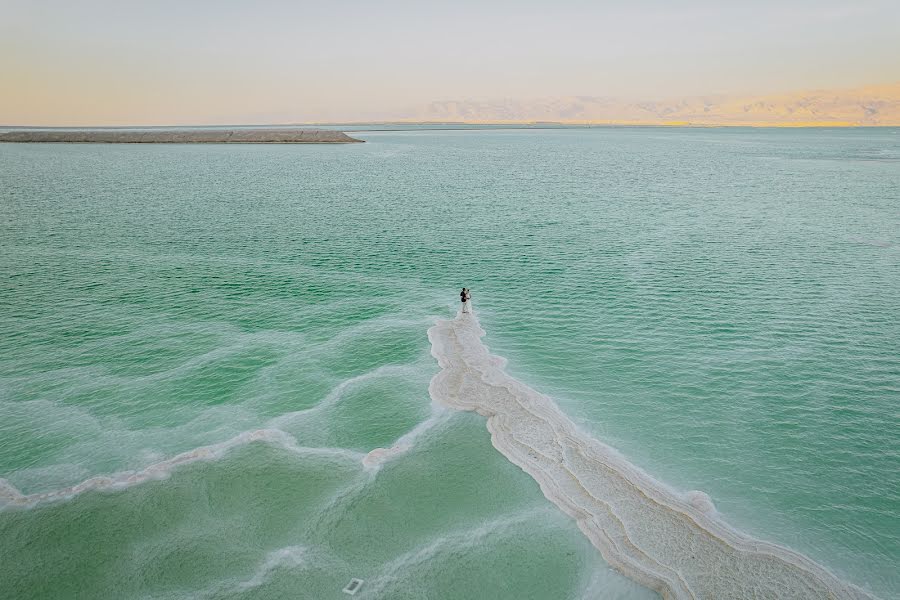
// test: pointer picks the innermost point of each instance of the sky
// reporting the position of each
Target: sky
(166, 62)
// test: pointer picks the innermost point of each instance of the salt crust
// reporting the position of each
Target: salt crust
(272, 434)
(11, 497)
(674, 543)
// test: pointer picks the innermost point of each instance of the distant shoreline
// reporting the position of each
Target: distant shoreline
(437, 125)
(186, 135)
(423, 126)
(354, 126)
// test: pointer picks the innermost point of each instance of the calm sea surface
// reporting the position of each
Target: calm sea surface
(224, 332)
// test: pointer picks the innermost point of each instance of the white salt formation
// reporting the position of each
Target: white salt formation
(672, 543)
(12, 497)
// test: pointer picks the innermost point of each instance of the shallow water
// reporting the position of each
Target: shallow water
(721, 306)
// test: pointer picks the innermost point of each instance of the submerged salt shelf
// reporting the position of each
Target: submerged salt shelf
(672, 543)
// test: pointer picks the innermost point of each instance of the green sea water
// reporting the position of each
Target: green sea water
(226, 332)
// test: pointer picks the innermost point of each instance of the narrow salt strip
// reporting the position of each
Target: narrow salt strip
(673, 543)
(11, 497)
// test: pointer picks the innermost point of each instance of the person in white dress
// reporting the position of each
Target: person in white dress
(464, 297)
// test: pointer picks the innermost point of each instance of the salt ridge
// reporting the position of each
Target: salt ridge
(670, 542)
(12, 497)
(273, 433)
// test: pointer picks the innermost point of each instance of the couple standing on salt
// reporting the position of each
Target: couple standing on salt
(464, 297)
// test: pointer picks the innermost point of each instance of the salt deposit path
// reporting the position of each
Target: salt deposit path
(671, 542)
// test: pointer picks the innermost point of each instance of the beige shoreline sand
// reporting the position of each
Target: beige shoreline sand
(286, 135)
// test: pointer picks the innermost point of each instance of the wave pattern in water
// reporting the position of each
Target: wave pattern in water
(670, 542)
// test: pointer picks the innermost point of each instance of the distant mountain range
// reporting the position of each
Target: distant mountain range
(870, 105)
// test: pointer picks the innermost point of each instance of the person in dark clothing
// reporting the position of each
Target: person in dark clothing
(464, 297)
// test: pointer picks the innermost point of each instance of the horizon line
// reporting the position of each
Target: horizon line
(520, 124)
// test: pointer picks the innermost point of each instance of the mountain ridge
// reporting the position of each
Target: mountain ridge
(872, 105)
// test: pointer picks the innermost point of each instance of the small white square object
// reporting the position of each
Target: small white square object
(353, 587)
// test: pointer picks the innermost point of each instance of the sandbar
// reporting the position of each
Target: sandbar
(285, 135)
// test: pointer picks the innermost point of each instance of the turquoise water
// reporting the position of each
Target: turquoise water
(720, 305)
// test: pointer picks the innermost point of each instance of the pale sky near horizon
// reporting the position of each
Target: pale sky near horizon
(101, 62)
